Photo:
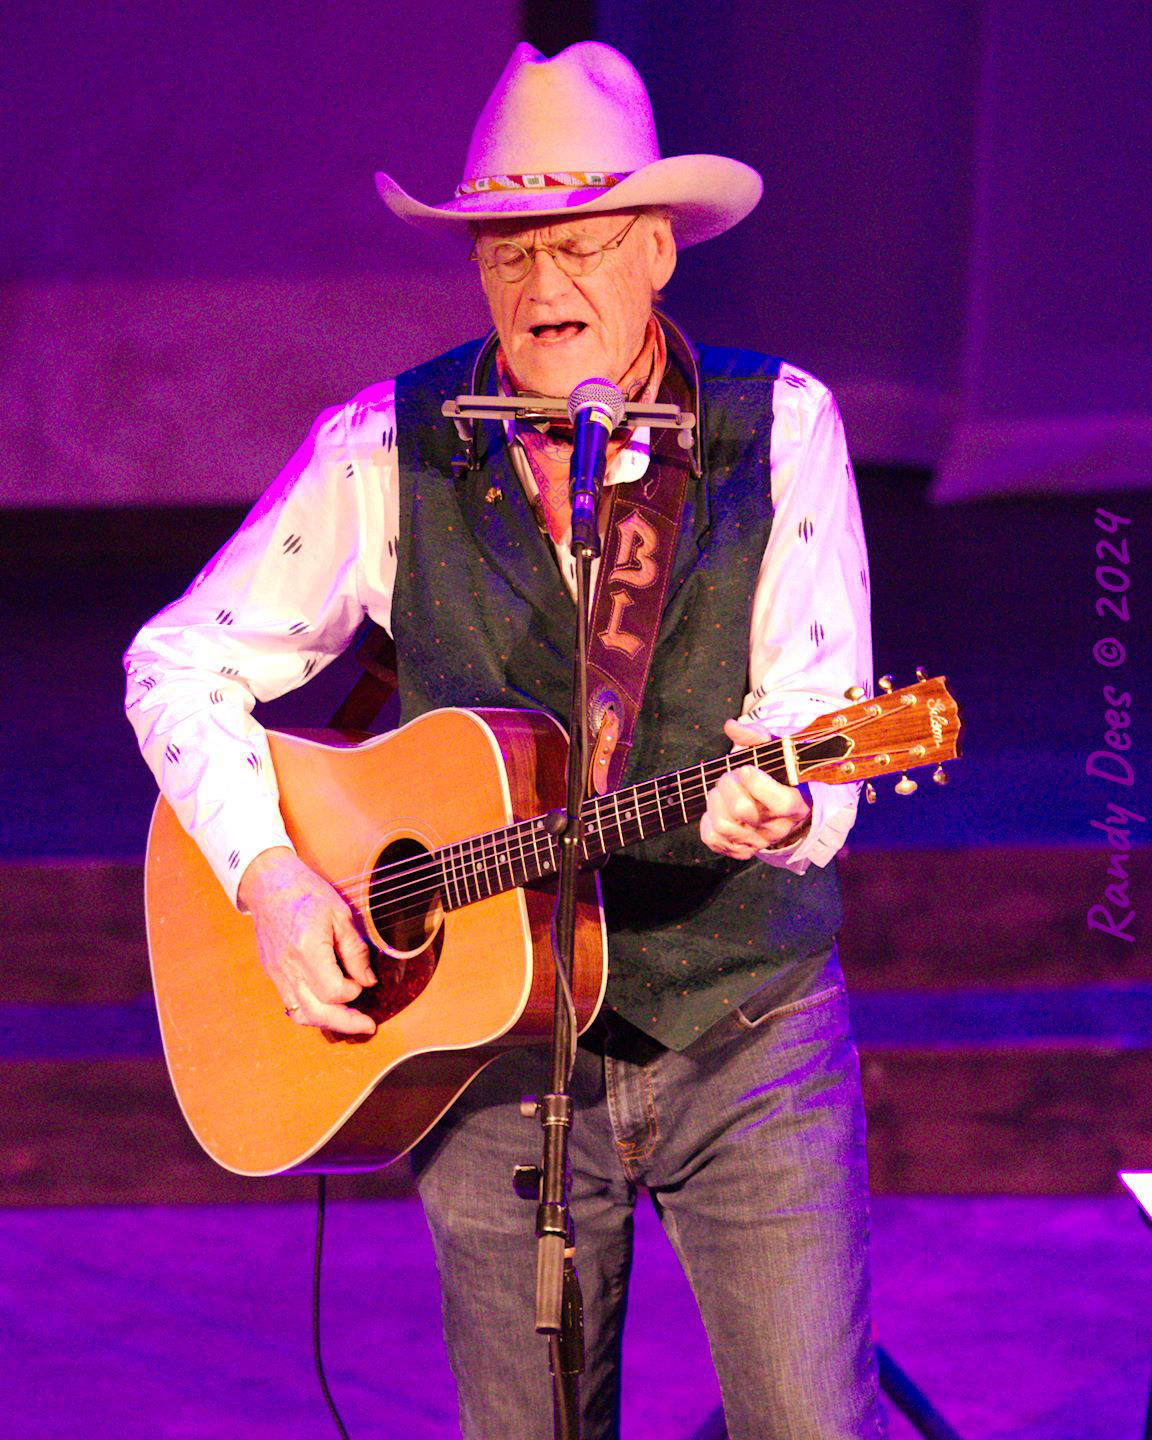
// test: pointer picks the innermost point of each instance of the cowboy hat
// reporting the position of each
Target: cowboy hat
(575, 134)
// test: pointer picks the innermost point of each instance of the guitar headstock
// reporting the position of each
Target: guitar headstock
(897, 730)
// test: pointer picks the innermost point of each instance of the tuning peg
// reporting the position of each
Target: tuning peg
(904, 786)
(870, 793)
(854, 692)
(921, 674)
(940, 775)
(885, 683)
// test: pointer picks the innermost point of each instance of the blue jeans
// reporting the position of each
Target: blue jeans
(751, 1143)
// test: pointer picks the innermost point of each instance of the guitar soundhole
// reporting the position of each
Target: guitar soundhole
(405, 906)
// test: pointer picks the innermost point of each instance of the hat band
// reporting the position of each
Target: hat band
(553, 180)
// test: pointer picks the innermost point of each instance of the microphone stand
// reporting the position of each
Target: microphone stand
(559, 1305)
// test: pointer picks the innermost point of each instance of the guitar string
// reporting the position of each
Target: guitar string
(476, 885)
(494, 849)
(365, 880)
(493, 873)
(593, 800)
(769, 751)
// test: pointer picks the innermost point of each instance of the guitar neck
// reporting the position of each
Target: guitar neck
(530, 850)
(623, 817)
(881, 734)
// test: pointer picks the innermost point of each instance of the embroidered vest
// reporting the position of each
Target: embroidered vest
(481, 616)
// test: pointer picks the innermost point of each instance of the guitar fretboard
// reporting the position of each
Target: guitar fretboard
(529, 850)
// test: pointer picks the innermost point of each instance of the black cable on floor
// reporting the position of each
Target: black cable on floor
(317, 1354)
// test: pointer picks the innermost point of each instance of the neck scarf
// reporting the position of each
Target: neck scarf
(549, 449)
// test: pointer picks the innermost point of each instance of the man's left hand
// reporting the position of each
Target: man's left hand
(748, 811)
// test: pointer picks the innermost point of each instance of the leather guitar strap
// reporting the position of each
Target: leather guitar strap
(641, 536)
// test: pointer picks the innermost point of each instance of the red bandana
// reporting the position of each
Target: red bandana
(549, 449)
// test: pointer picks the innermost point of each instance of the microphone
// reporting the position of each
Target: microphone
(595, 407)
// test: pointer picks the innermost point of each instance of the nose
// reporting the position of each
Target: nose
(546, 280)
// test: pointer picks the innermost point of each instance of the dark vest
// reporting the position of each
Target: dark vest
(481, 617)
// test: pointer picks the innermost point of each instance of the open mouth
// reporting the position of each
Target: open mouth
(562, 330)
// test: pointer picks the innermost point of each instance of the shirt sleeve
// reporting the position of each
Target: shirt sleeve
(280, 601)
(811, 633)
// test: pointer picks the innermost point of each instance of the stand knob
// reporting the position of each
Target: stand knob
(526, 1181)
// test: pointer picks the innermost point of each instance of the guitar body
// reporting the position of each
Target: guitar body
(458, 917)
(265, 1096)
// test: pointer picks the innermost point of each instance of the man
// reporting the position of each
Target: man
(721, 1073)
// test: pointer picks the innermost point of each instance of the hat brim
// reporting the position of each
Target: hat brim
(704, 194)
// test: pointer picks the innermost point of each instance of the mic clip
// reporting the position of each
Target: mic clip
(539, 409)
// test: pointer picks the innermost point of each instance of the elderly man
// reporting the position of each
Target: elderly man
(720, 1074)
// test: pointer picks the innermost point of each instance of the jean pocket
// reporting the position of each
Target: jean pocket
(750, 1015)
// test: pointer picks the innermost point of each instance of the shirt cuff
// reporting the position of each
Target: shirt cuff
(833, 815)
(230, 843)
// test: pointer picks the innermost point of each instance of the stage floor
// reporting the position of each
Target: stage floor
(1020, 1317)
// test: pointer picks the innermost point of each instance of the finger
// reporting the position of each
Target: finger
(737, 821)
(311, 968)
(735, 811)
(728, 837)
(742, 734)
(341, 1019)
(749, 797)
(352, 949)
(777, 800)
(321, 962)
(744, 836)
(345, 1021)
(730, 798)
(329, 983)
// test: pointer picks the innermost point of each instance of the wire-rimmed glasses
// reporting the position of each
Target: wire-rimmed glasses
(577, 256)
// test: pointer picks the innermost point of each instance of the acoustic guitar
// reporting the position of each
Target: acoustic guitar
(440, 836)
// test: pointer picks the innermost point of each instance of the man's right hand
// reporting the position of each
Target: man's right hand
(309, 943)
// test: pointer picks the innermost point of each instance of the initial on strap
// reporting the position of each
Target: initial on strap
(637, 546)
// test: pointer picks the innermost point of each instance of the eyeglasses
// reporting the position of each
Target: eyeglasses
(578, 256)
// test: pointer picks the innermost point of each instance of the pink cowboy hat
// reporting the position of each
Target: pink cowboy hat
(575, 134)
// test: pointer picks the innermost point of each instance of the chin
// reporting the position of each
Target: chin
(562, 379)
(559, 374)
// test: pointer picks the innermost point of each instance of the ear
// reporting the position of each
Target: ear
(662, 252)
